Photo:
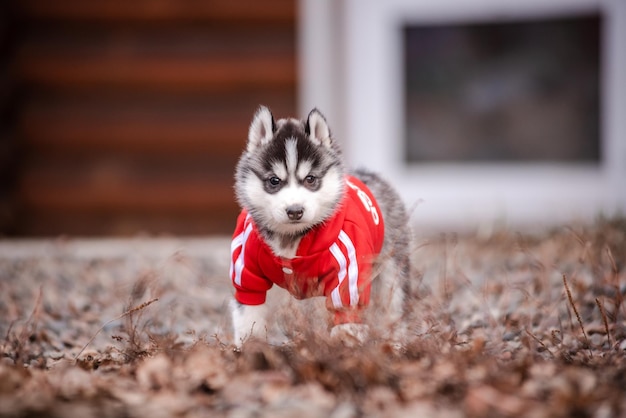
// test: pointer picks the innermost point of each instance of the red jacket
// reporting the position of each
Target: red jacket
(333, 260)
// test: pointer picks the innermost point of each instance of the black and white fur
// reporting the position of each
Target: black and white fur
(290, 178)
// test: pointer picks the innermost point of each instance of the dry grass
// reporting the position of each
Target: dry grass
(509, 325)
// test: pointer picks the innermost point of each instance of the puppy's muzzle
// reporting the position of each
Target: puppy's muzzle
(295, 212)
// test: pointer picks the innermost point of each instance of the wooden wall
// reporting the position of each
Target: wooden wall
(129, 116)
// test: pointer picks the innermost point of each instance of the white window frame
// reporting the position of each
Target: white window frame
(351, 68)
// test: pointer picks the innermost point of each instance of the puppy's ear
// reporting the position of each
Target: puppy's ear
(261, 129)
(317, 129)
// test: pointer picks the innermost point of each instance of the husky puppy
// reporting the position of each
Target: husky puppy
(312, 228)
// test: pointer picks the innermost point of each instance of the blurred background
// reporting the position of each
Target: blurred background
(123, 117)
(127, 117)
(484, 114)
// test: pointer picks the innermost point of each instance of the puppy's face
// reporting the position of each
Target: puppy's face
(290, 177)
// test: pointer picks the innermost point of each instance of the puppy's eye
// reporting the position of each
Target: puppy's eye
(273, 181)
(273, 184)
(311, 181)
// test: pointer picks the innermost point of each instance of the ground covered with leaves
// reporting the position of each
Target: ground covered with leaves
(505, 324)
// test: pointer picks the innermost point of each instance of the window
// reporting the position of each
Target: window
(481, 112)
(522, 91)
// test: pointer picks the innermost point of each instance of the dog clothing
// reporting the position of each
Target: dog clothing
(333, 260)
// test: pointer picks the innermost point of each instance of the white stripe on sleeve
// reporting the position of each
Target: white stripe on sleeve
(240, 263)
(236, 243)
(341, 260)
(353, 268)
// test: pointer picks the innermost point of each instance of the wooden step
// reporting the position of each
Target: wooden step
(143, 128)
(136, 11)
(149, 132)
(50, 223)
(114, 186)
(190, 74)
(132, 114)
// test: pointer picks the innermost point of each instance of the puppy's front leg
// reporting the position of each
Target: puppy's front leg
(248, 321)
(350, 334)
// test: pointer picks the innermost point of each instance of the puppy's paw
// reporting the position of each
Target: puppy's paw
(350, 334)
(249, 321)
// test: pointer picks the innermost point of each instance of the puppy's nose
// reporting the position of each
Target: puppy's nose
(294, 212)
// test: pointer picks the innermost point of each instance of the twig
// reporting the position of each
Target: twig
(32, 316)
(604, 319)
(580, 322)
(609, 253)
(128, 312)
(558, 343)
(540, 342)
(32, 319)
(8, 335)
(443, 271)
(619, 297)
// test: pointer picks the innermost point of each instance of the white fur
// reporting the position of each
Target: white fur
(388, 297)
(270, 211)
(318, 128)
(318, 205)
(280, 171)
(350, 334)
(283, 251)
(249, 321)
(260, 132)
(291, 155)
(304, 169)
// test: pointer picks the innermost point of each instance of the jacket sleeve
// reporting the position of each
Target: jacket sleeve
(353, 254)
(250, 285)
